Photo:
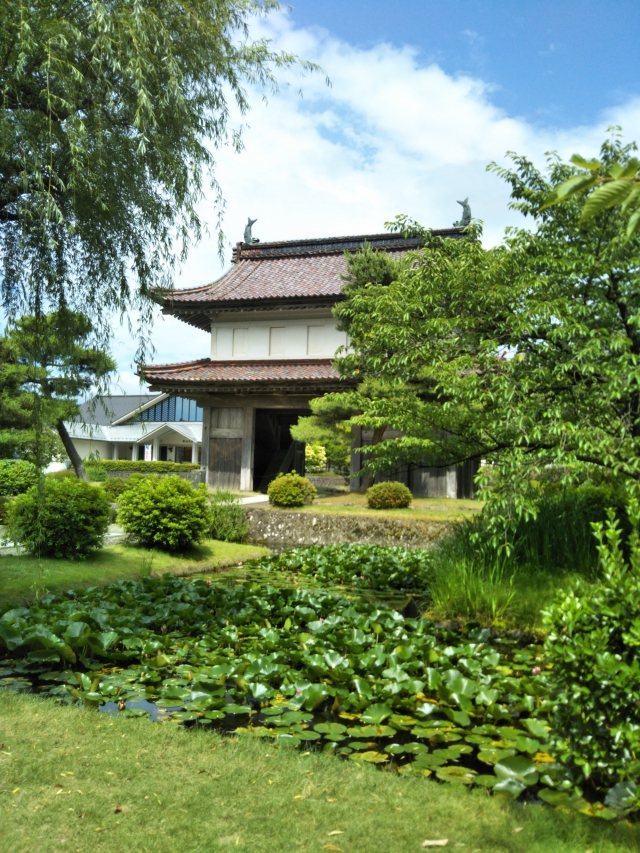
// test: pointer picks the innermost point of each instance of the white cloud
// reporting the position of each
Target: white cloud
(389, 136)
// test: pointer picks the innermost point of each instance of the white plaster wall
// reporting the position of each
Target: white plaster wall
(86, 447)
(275, 338)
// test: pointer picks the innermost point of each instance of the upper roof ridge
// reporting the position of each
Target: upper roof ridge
(331, 245)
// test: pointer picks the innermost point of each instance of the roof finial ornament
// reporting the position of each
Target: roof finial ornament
(466, 215)
(248, 236)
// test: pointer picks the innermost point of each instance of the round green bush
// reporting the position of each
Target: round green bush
(392, 495)
(291, 490)
(115, 486)
(65, 518)
(95, 474)
(165, 512)
(63, 474)
(16, 476)
(592, 646)
(228, 518)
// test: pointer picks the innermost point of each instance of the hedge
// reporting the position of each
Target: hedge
(142, 465)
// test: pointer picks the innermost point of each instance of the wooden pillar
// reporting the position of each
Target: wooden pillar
(451, 487)
(248, 434)
(206, 427)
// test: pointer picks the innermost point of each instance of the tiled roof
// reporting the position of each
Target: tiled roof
(206, 371)
(292, 270)
(105, 409)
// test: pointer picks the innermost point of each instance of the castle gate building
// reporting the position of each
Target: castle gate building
(273, 341)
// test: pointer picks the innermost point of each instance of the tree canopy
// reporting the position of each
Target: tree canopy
(110, 116)
(53, 362)
(525, 355)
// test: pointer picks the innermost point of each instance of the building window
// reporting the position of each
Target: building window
(240, 342)
(315, 340)
(277, 336)
(172, 409)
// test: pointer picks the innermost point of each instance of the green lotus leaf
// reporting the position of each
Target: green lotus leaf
(215, 715)
(519, 768)
(537, 728)
(456, 774)
(527, 744)
(459, 717)
(234, 708)
(395, 749)
(485, 780)
(370, 756)
(428, 708)
(492, 756)
(486, 696)
(307, 735)
(511, 788)
(330, 728)
(377, 714)
(185, 716)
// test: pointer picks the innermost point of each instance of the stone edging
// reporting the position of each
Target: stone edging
(282, 529)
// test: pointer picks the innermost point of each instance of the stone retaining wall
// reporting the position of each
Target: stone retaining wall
(279, 530)
(341, 483)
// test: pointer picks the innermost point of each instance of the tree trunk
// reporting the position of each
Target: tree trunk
(378, 435)
(72, 453)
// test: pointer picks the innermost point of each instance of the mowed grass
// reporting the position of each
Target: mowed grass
(427, 509)
(22, 578)
(84, 782)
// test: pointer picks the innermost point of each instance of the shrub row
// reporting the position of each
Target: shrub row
(68, 518)
(157, 467)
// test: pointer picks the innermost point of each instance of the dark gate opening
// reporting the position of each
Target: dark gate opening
(275, 451)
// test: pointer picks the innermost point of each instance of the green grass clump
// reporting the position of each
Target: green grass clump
(476, 579)
(23, 578)
(81, 781)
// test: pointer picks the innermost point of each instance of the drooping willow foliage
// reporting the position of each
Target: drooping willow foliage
(110, 115)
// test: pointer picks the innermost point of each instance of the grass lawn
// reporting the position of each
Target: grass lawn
(83, 782)
(428, 509)
(22, 578)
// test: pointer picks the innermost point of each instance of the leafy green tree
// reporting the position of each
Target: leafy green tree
(330, 423)
(526, 355)
(110, 116)
(19, 437)
(55, 362)
(613, 183)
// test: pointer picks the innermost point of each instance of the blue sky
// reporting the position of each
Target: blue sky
(424, 95)
(556, 62)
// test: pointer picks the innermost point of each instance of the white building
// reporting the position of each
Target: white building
(139, 426)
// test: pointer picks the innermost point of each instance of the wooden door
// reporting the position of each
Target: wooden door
(225, 462)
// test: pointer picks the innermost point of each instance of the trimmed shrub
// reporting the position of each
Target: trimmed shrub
(315, 458)
(592, 646)
(63, 474)
(165, 512)
(157, 467)
(4, 508)
(67, 518)
(96, 475)
(392, 495)
(228, 518)
(16, 476)
(115, 486)
(291, 490)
